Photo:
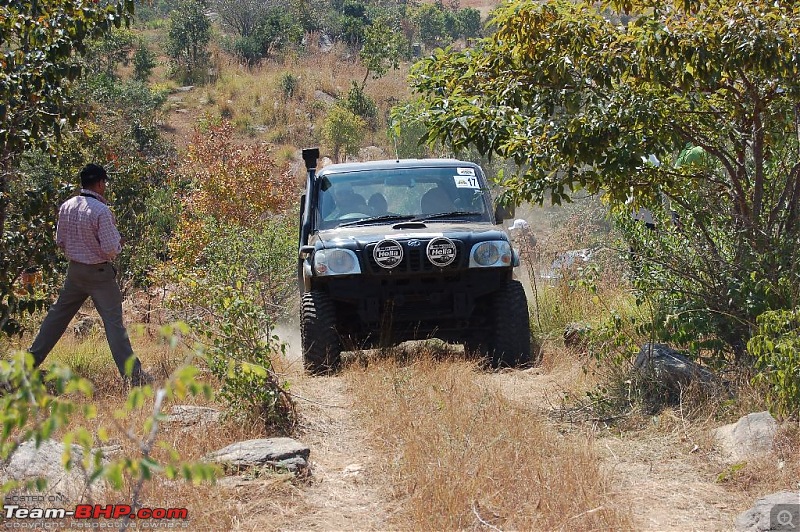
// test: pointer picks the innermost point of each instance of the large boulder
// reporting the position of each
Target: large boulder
(669, 368)
(30, 462)
(275, 453)
(778, 511)
(751, 436)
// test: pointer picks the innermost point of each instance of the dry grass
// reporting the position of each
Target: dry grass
(211, 507)
(253, 99)
(464, 456)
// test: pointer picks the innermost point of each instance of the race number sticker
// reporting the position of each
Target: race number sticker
(463, 181)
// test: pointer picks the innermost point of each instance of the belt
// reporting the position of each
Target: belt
(84, 264)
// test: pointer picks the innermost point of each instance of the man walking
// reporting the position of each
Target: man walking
(88, 236)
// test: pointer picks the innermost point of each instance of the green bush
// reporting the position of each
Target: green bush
(233, 293)
(343, 130)
(361, 105)
(776, 347)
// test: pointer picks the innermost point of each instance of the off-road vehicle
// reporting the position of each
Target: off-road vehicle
(406, 249)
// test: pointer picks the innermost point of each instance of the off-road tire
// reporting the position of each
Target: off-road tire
(322, 347)
(510, 338)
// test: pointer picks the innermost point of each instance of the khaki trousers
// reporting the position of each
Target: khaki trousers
(99, 282)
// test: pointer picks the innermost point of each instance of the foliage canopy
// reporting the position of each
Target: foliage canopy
(607, 101)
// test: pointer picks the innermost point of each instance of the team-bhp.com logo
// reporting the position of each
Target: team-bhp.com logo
(81, 512)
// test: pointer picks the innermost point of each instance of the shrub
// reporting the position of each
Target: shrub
(776, 347)
(343, 130)
(361, 105)
(232, 269)
(289, 83)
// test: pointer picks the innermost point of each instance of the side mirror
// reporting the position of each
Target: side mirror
(504, 212)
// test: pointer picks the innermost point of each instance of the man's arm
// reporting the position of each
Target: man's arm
(108, 236)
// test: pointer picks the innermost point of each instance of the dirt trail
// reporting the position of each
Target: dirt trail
(346, 490)
(658, 476)
(664, 479)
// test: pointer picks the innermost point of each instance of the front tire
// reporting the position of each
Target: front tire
(322, 347)
(510, 338)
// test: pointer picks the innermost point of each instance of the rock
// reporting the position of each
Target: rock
(323, 96)
(778, 511)
(29, 463)
(576, 335)
(371, 153)
(671, 369)
(325, 43)
(84, 325)
(353, 470)
(749, 437)
(192, 415)
(277, 453)
(185, 88)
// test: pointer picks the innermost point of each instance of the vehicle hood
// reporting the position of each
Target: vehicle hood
(360, 236)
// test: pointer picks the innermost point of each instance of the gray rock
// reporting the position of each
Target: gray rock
(323, 96)
(751, 436)
(325, 43)
(29, 463)
(778, 511)
(576, 335)
(84, 325)
(670, 368)
(276, 453)
(192, 415)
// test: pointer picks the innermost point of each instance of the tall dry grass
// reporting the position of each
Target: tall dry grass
(461, 455)
(254, 99)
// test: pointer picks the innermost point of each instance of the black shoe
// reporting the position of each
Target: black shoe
(141, 378)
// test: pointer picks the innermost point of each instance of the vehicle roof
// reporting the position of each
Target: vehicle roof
(389, 164)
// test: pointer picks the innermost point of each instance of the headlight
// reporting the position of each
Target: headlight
(490, 254)
(336, 262)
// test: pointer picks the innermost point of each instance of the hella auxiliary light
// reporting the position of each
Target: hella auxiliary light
(336, 262)
(491, 254)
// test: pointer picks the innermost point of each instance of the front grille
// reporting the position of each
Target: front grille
(415, 260)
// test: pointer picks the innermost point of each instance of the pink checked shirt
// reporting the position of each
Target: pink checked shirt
(87, 231)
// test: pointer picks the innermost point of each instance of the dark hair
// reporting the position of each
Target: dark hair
(91, 174)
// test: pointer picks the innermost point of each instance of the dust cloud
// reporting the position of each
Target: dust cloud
(289, 333)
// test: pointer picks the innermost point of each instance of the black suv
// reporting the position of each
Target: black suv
(406, 249)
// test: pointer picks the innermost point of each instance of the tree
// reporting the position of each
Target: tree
(581, 101)
(188, 36)
(144, 61)
(470, 22)
(382, 49)
(430, 20)
(40, 42)
(109, 52)
(243, 16)
(343, 130)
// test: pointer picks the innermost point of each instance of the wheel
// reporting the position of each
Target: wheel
(510, 339)
(322, 347)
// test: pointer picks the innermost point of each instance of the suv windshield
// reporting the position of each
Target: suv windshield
(382, 195)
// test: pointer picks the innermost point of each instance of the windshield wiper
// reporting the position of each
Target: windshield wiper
(377, 219)
(452, 214)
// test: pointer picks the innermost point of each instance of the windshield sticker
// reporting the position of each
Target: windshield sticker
(465, 181)
(465, 171)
